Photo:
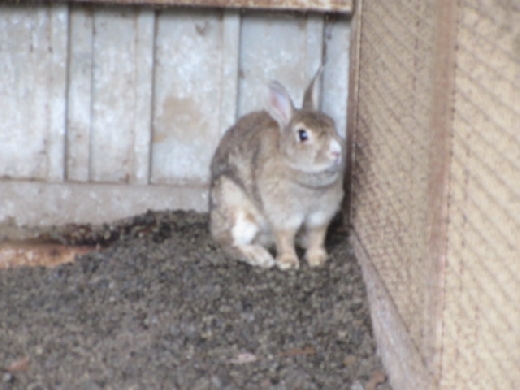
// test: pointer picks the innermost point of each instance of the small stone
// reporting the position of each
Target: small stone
(349, 360)
(201, 384)
(216, 383)
(35, 386)
(356, 386)
(207, 335)
(7, 377)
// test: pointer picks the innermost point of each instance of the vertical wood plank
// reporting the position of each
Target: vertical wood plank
(314, 49)
(265, 55)
(17, 53)
(230, 71)
(32, 59)
(120, 37)
(145, 43)
(113, 95)
(59, 39)
(352, 112)
(80, 93)
(335, 77)
(187, 108)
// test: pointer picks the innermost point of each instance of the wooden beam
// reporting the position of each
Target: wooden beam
(340, 6)
(438, 179)
(352, 110)
(400, 356)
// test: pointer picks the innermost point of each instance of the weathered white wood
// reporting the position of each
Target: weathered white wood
(230, 71)
(21, 119)
(122, 91)
(59, 39)
(315, 26)
(80, 93)
(273, 46)
(113, 95)
(335, 75)
(145, 44)
(32, 91)
(62, 203)
(210, 68)
(187, 93)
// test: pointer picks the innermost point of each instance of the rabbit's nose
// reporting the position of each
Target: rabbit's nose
(335, 149)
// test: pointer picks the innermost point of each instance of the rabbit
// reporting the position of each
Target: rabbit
(277, 178)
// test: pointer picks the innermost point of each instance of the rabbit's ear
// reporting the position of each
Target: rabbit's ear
(311, 99)
(279, 104)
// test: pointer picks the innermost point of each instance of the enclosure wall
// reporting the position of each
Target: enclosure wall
(108, 111)
(436, 188)
(481, 342)
(390, 186)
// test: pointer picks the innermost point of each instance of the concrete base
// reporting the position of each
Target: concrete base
(37, 204)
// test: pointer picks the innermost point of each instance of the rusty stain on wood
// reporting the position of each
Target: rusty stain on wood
(186, 117)
(34, 252)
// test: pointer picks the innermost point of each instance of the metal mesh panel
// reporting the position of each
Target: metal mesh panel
(475, 331)
(390, 185)
(481, 346)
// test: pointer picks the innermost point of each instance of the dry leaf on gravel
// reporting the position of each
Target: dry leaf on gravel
(349, 360)
(21, 364)
(377, 378)
(309, 350)
(244, 358)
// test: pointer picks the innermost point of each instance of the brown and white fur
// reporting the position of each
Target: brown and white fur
(277, 175)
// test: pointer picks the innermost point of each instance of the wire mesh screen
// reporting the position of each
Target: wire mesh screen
(482, 308)
(391, 148)
(472, 337)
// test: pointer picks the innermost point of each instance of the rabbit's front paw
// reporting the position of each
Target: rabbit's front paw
(258, 256)
(287, 262)
(317, 257)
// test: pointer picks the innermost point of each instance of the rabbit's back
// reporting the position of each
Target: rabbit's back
(251, 138)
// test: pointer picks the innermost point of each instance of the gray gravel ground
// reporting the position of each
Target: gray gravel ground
(161, 308)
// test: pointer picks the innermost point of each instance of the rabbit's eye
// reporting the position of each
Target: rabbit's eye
(303, 135)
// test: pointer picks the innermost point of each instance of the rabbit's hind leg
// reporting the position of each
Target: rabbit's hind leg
(234, 224)
(244, 232)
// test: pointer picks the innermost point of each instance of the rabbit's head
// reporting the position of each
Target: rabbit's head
(309, 141)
